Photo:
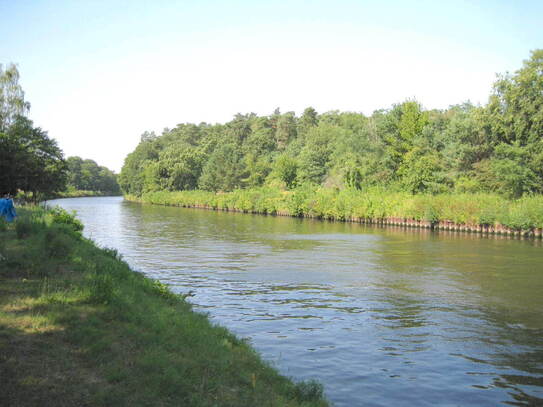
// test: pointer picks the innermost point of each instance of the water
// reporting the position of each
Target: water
(382, 317)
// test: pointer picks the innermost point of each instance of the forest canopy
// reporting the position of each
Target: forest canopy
(465, 148)
(87, 175)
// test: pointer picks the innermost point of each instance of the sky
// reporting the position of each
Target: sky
(100, 73)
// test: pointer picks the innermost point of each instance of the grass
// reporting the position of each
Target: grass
(79, 328)
(474, 209)
(76, 193)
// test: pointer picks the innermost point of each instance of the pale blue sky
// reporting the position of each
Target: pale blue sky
(99, 73)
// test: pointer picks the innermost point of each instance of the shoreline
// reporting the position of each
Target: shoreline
(484, 229)
(78, 324)
(80, 194)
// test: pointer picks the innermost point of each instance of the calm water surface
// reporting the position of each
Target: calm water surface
(381, 317)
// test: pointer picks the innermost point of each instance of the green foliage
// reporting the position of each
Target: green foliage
(224, 170)
(12, 99)
(86, 175)
(162, 290)
(59, 241)
(180, 166)
(495, 148)
(132, 179)
(29, 160)
(421, 171)
(370, 203)
(511, 173)
(24, 227)
(286, 170)
(101, 287)
(61, 216)
(286, 130)
(314, 159)
(516, 104)
(309, 391)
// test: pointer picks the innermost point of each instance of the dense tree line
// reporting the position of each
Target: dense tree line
(466, 148)
(30, 161)
(87, 175)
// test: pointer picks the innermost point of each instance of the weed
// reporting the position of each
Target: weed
(101, 288)
(59, 241)
(62, 216)
(113, 253)
(24, 227)
(308, 391)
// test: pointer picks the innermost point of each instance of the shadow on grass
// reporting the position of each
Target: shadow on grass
(41, 369)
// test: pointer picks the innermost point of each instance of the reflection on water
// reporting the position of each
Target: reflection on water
(380, 316)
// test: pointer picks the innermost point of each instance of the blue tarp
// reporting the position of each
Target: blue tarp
(7, 210)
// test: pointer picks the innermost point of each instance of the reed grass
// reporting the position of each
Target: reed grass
(372, 204)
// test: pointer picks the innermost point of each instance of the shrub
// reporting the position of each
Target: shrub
(308, 391)
(113, 253)
(62, 216)
(162, 290)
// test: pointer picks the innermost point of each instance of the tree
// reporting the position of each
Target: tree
(87, 175)
(315, 156)
(515, 108)
(497, 147)
(421, 171)
(286, 169)
(308, 120)
(131, 179)
(510, 172)
(399, 127)
(261, 140)
(286, 129)
(12, 97)
(224, 171)
(30, 160)
(180, 166)
(240, 128)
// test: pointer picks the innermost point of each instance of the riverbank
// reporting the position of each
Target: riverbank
(72, 193)
(76, 193)
(78, 327)
(478, 213)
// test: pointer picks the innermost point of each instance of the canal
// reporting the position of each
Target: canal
(381, 317)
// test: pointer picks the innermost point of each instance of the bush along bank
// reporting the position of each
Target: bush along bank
(480, 213)
(79, 327)
(77, 193)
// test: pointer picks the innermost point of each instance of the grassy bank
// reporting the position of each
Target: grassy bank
(71, 193)
(78, 327)
(478, 211)
(76, 193)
